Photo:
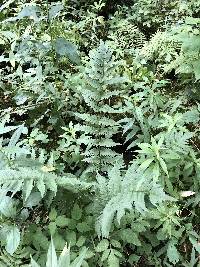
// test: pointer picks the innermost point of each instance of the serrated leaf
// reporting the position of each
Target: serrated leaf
(16, 135)
(187, 193)
(7, 206)
(105, 255)
(172, 253)
(163, 165)
(115, 243)
(80, 242)
(71, 238)
(62, 221)
(113, 261)
(76, 212)
(52, 228)
(52, 185)
(41, 187)
(83, 227)
(12, 240)
(102, 246)
(27, 188)
(53, 214)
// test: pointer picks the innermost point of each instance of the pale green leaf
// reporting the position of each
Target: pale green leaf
(34, 263)
(51, 256)
(113, 261)
(172, 253)
(146, 164)
(54, 10)
(64, 259)
(79, 260)
(41, 186)
(12, 239)
(103, 245)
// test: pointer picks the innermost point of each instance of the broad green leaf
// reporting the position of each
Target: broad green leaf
(76, 212)
(103, 245)
(105, 255)
(12, 240)
(113, 261)
(53, 214)
(52, 228)
(66, 48)
(80, 242)
(33, 200)
(128, 235)
(62, 221)
(7, 206)
(172, 253)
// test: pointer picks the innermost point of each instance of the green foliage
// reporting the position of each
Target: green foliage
(64, 259)
(99, 133)
(105, 102)
(129, 190)
(188, 61)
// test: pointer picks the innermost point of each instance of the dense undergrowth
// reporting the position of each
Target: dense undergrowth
(100, 149)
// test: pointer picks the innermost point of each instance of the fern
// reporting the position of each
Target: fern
(18, 259)
(126, 34)
(105, 101)
(25, 179)
(188, 59)
(124, 191)
(161, 48)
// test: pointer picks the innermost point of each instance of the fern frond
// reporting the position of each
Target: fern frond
(26, 179)
(127, 35)
(93, 119)
(104, 99)
(18, 259)
(124, 191)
